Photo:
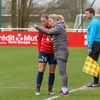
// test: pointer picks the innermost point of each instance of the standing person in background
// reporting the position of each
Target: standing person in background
(46, 55)
(58, 32)
(93, 39)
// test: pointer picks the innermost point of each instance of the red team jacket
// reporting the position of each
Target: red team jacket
(45, 43)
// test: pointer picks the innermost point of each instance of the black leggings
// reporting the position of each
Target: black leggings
(95, 55)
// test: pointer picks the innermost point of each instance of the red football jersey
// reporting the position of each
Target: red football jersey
(45, 43)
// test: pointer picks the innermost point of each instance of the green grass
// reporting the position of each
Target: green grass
(18, 70)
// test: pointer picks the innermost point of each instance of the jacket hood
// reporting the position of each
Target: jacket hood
(60, 23)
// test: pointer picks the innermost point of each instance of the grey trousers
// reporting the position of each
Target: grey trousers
(62, 72)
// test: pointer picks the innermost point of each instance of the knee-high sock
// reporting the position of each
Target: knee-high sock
(51, 81)
(39, 80)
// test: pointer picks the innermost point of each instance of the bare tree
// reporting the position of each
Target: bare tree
(13, 13)
(22, 9)
(20, 13)
(6, 6)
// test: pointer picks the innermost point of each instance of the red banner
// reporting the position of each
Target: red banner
(77, 39)
(21, 38)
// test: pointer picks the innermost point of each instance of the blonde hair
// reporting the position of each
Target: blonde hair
(54, 17)
(61, 18)
(57, 17)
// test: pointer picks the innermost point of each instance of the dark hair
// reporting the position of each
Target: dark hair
(91, 10)
(44, 16)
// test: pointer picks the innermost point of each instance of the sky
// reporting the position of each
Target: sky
(96, 4)
(43, 2)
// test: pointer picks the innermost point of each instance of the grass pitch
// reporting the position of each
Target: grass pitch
(18, 70)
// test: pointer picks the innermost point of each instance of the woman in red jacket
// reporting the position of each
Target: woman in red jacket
(46, 55)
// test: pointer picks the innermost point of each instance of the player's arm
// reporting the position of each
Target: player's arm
(52, 31)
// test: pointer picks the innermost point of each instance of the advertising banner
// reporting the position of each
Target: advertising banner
(24, 38)
(18, 38)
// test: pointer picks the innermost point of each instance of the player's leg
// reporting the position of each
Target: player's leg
(52, 66)
(42, 66)
(51, 78)
(64, 78)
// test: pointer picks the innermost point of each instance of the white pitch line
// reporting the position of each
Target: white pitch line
(73, 90)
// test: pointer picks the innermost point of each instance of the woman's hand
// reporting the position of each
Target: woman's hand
(34, 25)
